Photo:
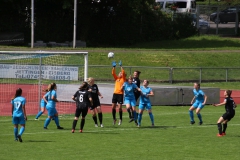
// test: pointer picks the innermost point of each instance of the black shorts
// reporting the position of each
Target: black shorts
(228, 116)
(96, 103)
(117, 98)
(82, 111)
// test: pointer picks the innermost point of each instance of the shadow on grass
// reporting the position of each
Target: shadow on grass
(37, 141)
(157, 127)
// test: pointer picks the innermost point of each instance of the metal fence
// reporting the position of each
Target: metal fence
(170, 74)
(222, 20)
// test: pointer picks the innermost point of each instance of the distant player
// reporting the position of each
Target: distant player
(199, 100)
(145, 102)
(118, 92)
(19, 115)
(83, 101)
(43, 103)
(51, 106)
(129, 98)
(226, 117)
(93, 88)
(137, 94)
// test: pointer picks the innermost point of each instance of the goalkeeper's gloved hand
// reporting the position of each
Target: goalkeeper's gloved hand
(120, 63)
(114, 64)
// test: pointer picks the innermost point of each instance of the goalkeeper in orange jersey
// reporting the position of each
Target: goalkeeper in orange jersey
(118, 92)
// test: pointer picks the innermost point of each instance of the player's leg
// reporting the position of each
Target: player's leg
(48, 119)
(40, 112)
(149, 108)
(100, 115)
(219, 124)
(56, 119)
(191, 109)
(120, 102)
(224, 126)
(77, 114)
(114, 105)
(94, 115)
(84, 114)
(140, 113)
(200, 107)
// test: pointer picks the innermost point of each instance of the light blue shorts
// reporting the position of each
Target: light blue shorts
(132, 102)
(18, 120)
(143, 106)
(43, 104)
(198, 104)
(51, 111)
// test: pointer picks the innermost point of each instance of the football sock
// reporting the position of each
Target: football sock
(219, 128)
(191, 115)
(94, 119)
(129, 113)
(135, 115)
(120, 113)
(224, 127)
(22, 129)
(139, 118)
(39, 114)
(82, 124)
(114, 113)
(56, 120)
(74, 124)
(199, 117)
(151, 117)
(100, 117)
(15, 131)
(47, 121)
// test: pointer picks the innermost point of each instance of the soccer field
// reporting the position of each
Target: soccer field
(172, 138)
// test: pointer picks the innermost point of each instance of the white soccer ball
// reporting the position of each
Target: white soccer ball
(110, 55)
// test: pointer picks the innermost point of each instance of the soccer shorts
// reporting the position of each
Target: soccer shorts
(51, 111)
(82, 111)
(96, 103)
(198, 104)
(228, 116)
(117, 98)
(132, 102)
(43, 104)
(146, 105)
(18, 120)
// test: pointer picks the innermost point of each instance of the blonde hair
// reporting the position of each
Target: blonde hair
(89, 80)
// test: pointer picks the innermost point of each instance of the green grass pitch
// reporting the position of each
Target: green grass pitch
(172, 138)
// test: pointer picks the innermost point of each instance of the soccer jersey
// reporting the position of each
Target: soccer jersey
(118, 81)
(143, 98)
(94, 92)
(51, 103)
(18, 103)
(82, 98)
(129, 90)
(230, 105)
(199, 95)
(136, 80)
(43, 103)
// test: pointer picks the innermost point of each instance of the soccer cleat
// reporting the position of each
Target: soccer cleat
(96, 125)
(58, 127)
(114, 121)
(219, 135)
(36, 119)
(192, 122)
(136, 123)
(101, 125)
(16, 140)
(223, 133)
(45, 128)
(80, 131)
(131, 120)
(152, 125)
(73, 130)
(200, 123)
(20, 138)
(119, 122)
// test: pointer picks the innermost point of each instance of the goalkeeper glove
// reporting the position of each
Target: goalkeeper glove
(114, 64)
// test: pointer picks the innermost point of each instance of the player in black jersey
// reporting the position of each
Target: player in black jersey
(93, 88)
(226, 117)
(83, 99)
(137, 94)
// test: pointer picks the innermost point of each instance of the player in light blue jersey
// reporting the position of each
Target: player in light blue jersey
(129, 97)
(51, 106)
(145, 102)
(19, 115)
(199, 100)
(43, 103)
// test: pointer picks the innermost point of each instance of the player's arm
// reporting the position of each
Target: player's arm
(100, 95)
(12, 107)
(193, 100)
(205, 99)
(54, 97)
(220, 104)
(24, 111)
(114, 73)
(74, 96)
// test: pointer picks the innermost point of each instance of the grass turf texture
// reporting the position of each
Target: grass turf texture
(172, 138)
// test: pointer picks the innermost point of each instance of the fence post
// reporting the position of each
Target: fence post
(171, 75)
(226, 74)
(200, 78)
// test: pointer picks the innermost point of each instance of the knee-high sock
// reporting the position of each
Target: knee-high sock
(56, 121)
(114, 113)
(47, 121)
(191, 115)
(94, 119)
(22, 129)
(74, 124)
(139, 118)
(15, 131)
(151, 117)
(219, 128)
(224, 127)
(39, 114)
(120, 114)
(199, 117)
(129, 113)
(100, 117)
(135, 115)
(82, 124)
